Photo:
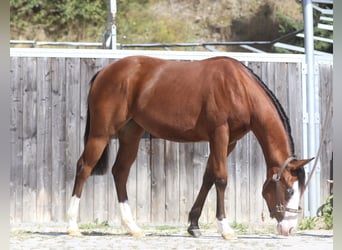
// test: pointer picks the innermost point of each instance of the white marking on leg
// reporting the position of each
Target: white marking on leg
(127, 219)
(73, 213)
(224, 229)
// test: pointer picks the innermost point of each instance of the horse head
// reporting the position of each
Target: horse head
(282, 191)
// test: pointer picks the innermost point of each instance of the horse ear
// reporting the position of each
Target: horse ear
(299, 163)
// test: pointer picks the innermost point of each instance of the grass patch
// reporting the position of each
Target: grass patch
(239, 227)
(308, 223)
(94, 225)
(167, 228)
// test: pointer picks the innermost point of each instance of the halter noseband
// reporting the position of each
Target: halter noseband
(279, 208)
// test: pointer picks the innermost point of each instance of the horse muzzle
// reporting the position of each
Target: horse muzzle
(287, 227)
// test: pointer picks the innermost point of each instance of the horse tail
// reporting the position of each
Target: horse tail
(102, 164)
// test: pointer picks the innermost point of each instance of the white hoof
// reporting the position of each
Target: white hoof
(225, 230)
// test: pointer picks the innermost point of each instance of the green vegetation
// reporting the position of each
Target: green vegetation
(328, 212)
(95, 225)
(239, 227)
(308, 223)
(158, 21)
(324, 219)
(70, 20)
(136, 23)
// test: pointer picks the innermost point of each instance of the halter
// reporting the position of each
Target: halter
(279, 208)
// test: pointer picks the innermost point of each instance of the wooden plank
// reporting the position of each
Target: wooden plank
(200, 157)
(100, 198)
(113, 204)
(132, 188)
(326, 159)
(87, 202)
(144, 180)
(257, 166)
(295, 107)
(209, 214)
(72, 78)
(186, 180)
(58, 140)
(29, 75)
(158, 180)
(230, 194)
(44, 139)
(171, 182)
(242, 181)
(281, 84)
(257, 173)
(16, 130)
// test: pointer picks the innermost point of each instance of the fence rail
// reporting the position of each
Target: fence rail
(48, 108)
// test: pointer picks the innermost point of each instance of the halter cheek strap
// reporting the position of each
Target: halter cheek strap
(276, 178)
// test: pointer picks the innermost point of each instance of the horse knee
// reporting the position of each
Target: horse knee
(221, 182)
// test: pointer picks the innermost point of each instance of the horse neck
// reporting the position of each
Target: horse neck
(271, 135)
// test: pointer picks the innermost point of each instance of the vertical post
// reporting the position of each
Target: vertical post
(311, 105)
(113, 13)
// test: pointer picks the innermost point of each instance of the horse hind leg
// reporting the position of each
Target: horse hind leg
(197, 207)
(90, 156)
(129, 137)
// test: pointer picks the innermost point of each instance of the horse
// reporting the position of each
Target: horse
(218, 100)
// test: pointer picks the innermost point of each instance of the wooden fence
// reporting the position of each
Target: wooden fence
(48, 112)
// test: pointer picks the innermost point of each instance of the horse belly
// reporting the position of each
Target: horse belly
(174, 128)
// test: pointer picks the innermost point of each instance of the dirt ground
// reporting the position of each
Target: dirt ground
(53, 236)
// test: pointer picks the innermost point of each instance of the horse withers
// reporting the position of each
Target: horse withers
(217, 100)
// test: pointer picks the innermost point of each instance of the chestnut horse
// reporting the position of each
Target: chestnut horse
(217, 100)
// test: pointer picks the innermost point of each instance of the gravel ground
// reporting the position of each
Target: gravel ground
(53, 236)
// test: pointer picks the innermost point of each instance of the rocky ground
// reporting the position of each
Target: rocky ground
(53, 236)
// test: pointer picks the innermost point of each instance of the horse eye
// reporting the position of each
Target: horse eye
(290, 191)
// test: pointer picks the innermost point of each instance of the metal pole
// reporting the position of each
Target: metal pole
(313, 190)
(113, 12)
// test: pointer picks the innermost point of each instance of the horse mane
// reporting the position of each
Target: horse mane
(278, 106)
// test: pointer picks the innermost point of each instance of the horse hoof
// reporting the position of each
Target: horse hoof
(138, 234)
(228, 236)
(74, 233)
(195, 232)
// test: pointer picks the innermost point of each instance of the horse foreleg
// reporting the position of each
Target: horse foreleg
(129, 137)
(85, 164)
(218, 147)
(223, 226)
